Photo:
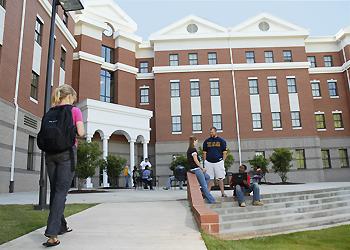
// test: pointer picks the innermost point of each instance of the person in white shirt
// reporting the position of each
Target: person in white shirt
(145, 163)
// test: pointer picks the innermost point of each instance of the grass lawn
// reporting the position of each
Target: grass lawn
(17, 220)
(336, 238)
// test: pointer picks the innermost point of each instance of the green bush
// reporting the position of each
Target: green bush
(88, 155)
(281, 158)
(179, 160)
(114, 166)
(259, 161)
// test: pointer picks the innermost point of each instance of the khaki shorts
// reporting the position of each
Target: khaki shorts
(215, 170)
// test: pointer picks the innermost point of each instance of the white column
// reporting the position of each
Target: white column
(145, 149)
(105, 154)
(88, 180)
(132, 159)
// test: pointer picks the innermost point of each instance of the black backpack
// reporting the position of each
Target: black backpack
(57, 132)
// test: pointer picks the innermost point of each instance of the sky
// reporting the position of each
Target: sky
(321, 18)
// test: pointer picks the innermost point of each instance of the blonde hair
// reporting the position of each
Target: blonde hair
(61, 93)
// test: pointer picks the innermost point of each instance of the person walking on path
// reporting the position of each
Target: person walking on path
(214, 156)
(57, 138)
(197, 169)
(126, 176)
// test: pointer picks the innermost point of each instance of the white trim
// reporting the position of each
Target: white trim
(33, 100)
(297, 128)
(197, 132)
(176, 133)
(144, 87)
(174, 81)
(312, 81)
(144, 103)
(126, 68)
(219, 131)
(290, 77)
(337, 112)
(325, 70)
(319, 113)
(339, 129)
(321, 129)
(81, 55)
(64, 48)
(271, 77)
(277, 129)
(214, 79)
(334, 97)
(257, 129)
(317, 97)
(194, 80)
(40, 18)
(59, 23)
(252, 78)
(332, 80)
(144, 76)
(279, 65)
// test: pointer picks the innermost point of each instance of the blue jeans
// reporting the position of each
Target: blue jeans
(172, 178)
(241, 190)
(202, 179)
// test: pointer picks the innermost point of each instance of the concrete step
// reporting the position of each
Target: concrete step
(291, 194)
(282, 211)
(232, 202)
(282, 227)
(282, 218)
(297, 203)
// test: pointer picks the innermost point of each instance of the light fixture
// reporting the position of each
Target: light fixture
(71, 5)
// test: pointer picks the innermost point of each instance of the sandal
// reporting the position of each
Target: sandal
(51, 244)
(67, 230)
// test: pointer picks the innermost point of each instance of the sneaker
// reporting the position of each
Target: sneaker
(258, 203)
(223, 195)
(165, 188)
(242, 204)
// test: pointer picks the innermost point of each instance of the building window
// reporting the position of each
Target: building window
(268, 56)
(292, 86)
(3, 3)
(63, 59)
(287, 56)
(144, 95)
(212, 58)
(272, 86)
(338, 120)
(194, 88)
(176, 123)
(332, 88)
(217, 122)
(326, 159)
(34, 86)
(300, 158)
(250, 57)
(214, 88)
(175, 89)
(312, 61)
(143, 67)
(65, 19)
(196, 123)
(253, 86)
(320, 121)
(107, 86)
(173, 60)
(30, 154)
(258, 153)
(107, 54)
(256, 117)
(328, 61)
(316, 90)
(38, 31)
(296, 121)
(343, 158)
(276, 120)
(193, 58)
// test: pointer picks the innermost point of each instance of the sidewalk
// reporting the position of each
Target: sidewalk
(125, 225)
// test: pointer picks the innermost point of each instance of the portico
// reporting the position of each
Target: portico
(109, 118)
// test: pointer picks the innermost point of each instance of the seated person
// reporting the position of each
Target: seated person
(147, 178)
(256, 174)
(246, 187)
(179, 175)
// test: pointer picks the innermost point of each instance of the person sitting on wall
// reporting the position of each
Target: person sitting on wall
(147, 178)
(179, 175)
(242, 185)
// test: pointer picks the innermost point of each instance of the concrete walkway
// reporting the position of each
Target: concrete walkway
(125, 225)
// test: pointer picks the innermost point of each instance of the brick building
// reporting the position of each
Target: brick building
(264, 83)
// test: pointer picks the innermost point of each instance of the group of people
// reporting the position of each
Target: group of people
(213, 167)
(143, 174)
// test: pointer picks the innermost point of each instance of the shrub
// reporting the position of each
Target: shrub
(259, 161)
(281, 159)
(114, 166)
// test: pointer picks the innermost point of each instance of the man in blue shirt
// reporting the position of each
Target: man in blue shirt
(214, 155)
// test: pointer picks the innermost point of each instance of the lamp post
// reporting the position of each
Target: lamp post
(67, 5)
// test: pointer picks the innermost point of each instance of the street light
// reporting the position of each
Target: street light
(67, 5)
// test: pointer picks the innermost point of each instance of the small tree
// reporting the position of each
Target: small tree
(259, 161)
(114, 165)
(281, 158)
(229, 159)
(88, 155)
(179, 160)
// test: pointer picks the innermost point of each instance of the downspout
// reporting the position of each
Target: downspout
(19, 62)
(235, 101)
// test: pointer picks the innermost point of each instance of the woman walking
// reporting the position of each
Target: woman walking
(57, 138)
(197, 169)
